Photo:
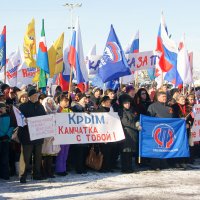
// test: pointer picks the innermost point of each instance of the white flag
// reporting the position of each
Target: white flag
(183, 63)
(12, 68)
(19, 117)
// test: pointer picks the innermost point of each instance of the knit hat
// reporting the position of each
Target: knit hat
(20, 94)
(96, 89)
(31, 91)
(103, 99)
(4, 87)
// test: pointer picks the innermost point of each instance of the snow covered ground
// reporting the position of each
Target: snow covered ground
(170, 184)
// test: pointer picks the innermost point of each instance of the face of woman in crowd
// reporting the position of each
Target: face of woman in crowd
(126, 105)
(24, 98)
(97, 94)
(64, 103)
(181, 101)
(191, 100)
(132, 93)
(143, 95)
(111, 95)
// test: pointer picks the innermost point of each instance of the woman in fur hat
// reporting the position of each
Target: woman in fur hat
(130, 124)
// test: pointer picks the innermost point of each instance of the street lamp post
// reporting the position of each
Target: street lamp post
(71, 7)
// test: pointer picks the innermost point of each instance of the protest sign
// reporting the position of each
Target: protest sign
(41, 126)
(142, 60)
(81, 128)
(195, 130)
(163, 137)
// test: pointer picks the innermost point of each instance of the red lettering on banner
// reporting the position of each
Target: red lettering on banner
(11, 75)
(60, 130)
(78, 137)
(77, 130)
(25, 73)
(142, 61)
(197, 122)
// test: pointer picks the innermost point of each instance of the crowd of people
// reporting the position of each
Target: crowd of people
(40, 158)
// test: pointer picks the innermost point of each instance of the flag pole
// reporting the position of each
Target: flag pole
(70, 81)
(5, 73)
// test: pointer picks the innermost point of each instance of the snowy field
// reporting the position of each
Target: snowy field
(172, 184)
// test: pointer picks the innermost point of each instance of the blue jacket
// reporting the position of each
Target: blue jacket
(5, 128)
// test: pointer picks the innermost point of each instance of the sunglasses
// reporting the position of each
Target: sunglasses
(143, 93)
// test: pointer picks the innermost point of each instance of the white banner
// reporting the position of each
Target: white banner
(25, 75)
(142, 60)
(12, 68)
(81, 128)
(41, 126)
(195, 130)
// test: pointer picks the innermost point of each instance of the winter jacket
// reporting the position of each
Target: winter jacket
(128, 120)
(5, 128)
(30, 109)
(161, 110)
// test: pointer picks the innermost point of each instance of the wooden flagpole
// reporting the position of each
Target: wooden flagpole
(70, 81)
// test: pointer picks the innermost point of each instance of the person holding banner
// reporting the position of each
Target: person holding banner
(161, 110)
(61, 159)
(48, 149)
(32, 108)
(130, 124)
(80, 151)
(105, 148)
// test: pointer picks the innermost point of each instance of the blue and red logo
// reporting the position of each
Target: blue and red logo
(112, 53)
(164, 136)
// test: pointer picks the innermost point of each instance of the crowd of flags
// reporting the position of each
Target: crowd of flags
(59, 64)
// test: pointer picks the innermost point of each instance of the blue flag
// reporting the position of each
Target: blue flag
(113, 62)
(3, 48)
(163, 137)
(114, 84)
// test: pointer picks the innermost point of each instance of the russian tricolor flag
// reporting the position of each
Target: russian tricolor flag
(3, 48)
(76, 56)
(133, 46)
(166, 47)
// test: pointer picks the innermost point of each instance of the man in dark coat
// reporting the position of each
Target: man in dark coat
(30, 109)
(161, 110)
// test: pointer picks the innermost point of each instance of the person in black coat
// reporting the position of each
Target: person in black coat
(79, 152)
(162, 110)
(105, 148)
(32, 108)
(130, 124)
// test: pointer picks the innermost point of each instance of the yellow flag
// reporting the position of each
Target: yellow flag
(55, 55)
(37, 76)
(30, 45)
